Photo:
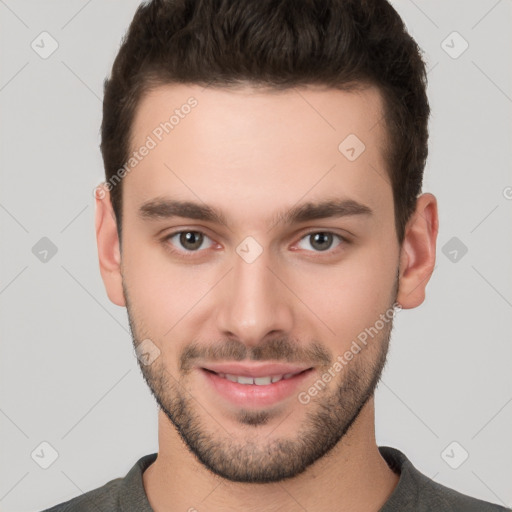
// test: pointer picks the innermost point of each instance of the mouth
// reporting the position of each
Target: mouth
(258, 381)
(255, 386)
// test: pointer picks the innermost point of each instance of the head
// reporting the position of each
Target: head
(249, 134)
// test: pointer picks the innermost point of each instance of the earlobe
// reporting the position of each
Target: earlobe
(109, 253)
(418, 252)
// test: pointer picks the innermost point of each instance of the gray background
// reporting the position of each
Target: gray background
(68, 374)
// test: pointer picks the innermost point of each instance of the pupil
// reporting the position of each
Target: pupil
(322, 238)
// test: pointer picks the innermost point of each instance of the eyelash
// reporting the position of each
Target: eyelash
(193, 254)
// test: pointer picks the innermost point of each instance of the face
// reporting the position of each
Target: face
(255, 244)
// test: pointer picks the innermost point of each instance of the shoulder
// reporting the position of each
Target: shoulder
(415, 491)
(435, 496)
(125, 494)
(101, 498)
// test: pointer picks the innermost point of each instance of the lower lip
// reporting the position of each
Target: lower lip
(253, 395)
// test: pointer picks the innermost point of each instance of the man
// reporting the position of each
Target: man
(262, 215)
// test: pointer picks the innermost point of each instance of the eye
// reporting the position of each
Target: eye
(321, 241)
(190, 241)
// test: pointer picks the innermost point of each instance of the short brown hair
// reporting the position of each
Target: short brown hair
(279, 44)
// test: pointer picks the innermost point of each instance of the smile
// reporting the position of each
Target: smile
(258, 381)
(254, 391)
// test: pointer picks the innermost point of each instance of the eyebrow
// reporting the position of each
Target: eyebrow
(164, 208)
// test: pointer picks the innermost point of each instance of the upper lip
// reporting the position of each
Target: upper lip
(255, 370)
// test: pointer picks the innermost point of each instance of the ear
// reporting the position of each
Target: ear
(418, 252)
(109, 252)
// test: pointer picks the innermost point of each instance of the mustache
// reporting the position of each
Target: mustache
(275, 349)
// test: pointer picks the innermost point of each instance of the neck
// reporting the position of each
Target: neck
(353, 476)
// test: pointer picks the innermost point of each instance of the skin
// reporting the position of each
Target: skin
(251, 153)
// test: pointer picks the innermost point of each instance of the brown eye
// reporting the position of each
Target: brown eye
(187, 242)
(321, 241)
(191, 240)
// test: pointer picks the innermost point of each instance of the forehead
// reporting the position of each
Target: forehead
(252, 145)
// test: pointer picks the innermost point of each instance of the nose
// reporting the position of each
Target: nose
(255, 303)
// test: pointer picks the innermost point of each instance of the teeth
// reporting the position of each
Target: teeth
(259, 381)
(262, 381)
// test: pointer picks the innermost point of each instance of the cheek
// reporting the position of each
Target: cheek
(154, 287)
(351, 296)
(166, 296)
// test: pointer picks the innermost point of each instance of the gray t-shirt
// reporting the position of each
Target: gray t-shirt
(414, 492)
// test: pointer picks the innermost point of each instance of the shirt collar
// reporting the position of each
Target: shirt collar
(133, 498)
